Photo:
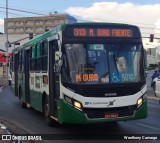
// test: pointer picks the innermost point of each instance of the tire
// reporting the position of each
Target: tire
(23, 105)
(51, 122)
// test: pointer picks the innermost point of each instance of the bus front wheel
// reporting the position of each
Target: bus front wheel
(48, 119)
(23, 105)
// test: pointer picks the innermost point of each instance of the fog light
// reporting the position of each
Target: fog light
(139, 101)
(68, 99)
(77, 105)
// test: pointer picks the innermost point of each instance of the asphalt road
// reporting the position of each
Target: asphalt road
(30, 121)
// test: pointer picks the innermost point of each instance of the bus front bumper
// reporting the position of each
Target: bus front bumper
(68, 114)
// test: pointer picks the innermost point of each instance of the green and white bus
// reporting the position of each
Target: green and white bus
(83, 73)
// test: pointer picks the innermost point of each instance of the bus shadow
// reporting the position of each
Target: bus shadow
(92, 128)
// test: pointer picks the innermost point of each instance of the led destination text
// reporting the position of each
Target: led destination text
(86, 77)
(101, 32)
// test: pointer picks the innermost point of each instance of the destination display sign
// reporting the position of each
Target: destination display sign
(82, 31)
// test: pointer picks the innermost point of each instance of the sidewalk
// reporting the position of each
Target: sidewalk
(3, 81)
(3, 128)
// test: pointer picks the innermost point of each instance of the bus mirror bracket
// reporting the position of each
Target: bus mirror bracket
(57, 37)
(58, 61)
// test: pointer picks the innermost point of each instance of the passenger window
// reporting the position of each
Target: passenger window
(32, 59)
(44, 56)
(38, 55)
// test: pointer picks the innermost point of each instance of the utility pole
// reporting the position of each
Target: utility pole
(7, 43)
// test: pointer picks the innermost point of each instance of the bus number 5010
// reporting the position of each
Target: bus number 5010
(127, 77)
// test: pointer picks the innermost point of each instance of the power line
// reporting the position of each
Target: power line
(148, 33)
(77, 19)
(56, 18)
(149, 28)
(8, 12)
(23, 11)
(27, 9)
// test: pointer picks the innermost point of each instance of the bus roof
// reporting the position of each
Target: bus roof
(103, 23)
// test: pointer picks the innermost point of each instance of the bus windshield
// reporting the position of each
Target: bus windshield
(102, 63)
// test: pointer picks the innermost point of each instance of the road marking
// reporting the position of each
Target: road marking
(4, 128)
(147, 126)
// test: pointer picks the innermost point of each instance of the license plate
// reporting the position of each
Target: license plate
(111, 115)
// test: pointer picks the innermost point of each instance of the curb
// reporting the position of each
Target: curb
(9, 129)
(5, 134)
(3, 129)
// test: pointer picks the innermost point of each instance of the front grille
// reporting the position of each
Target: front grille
(93, 113)
(104, 90)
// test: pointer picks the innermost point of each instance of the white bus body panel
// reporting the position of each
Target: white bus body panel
(103, 102)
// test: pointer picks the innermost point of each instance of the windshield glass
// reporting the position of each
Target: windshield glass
(102, 63)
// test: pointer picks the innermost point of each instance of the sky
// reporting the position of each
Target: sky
(143, 13)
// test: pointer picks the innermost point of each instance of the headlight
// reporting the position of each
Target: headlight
(139, 102)
(77, 105)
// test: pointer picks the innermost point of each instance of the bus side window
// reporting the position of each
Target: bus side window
(20, 61)
(32, 58)
(38, 62)
(44, 55)
(30, 50)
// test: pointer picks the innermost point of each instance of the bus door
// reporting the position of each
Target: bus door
(53, 79)
(27, 90)
(16, 74)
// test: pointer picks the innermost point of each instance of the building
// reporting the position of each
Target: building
(151, 51)
(19, 28)
(36, 25)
